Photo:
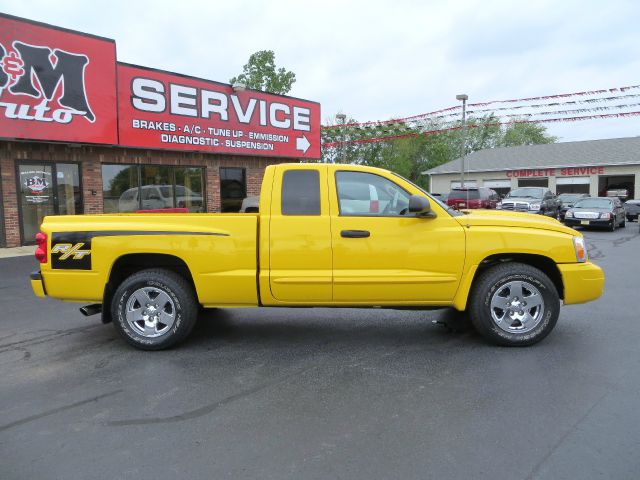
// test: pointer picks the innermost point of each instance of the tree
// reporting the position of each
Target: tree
(260, 73)
(526, 134)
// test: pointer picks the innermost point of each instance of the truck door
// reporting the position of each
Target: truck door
(300, 267)
(383, 254)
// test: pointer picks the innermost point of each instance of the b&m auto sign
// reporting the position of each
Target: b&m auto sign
(56, 84)
(163, 110)
(60, 85)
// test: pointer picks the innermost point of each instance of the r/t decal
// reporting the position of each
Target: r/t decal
(70, 250)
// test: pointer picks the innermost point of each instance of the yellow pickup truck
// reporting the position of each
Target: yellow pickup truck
(325, 235)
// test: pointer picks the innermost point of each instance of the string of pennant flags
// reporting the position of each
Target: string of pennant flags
(453, 109)
(568, 107)
(483, 125)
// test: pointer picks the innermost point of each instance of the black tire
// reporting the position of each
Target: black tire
(624, 223)
(180, 306)
(494, 281)
(612, 227)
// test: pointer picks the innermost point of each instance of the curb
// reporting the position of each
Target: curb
(17, 252)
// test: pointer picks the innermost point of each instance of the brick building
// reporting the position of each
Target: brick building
(130, 138)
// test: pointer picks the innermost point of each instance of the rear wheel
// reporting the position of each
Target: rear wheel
(154, 309)
(514, 304)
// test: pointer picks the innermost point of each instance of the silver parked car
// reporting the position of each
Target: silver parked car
(632, 209)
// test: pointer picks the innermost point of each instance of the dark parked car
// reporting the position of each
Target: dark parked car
(567, 200)
(596, 212)
(480, 197)
(538, 200)
(632, 209)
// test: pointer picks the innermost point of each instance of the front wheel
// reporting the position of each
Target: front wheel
(514, 304)
(154, 309)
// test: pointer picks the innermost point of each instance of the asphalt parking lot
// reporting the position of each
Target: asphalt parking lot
(319, 393)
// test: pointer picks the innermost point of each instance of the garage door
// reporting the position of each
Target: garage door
(573, 181)
(467, 184)
(497, 183)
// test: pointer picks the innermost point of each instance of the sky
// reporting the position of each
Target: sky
(375, 60)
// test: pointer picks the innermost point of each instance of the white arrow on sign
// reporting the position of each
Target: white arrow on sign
(302, 144)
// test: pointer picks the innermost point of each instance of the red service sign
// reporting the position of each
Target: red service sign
(56, 84)
(169, 111)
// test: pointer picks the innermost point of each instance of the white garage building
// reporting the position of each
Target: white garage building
(593, 167)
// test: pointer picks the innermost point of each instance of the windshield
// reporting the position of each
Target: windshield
(450, 211)
(464, 194)
(594, 203)
(569, 197)
(530, 192)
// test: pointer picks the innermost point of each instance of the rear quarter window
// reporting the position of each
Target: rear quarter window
(301, 192)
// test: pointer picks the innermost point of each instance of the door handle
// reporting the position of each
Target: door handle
(355, 233)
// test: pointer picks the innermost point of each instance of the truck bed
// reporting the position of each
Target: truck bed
(116, 239)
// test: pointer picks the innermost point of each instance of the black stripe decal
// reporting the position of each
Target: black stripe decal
(72, 250)
(119, 233)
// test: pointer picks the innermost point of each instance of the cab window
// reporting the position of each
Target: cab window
(301, 192)
(367, 194)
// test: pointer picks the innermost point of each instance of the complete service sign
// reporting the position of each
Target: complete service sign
(169, 111)
(56, 84)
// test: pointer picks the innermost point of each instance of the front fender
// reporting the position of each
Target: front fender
(484, 242)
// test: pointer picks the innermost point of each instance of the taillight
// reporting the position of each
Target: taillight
(41, 250)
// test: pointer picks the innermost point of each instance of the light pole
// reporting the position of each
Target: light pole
(341, 117)
(463, 97)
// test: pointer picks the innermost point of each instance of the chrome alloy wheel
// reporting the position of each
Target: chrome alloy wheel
(517, 307)
(150, 312)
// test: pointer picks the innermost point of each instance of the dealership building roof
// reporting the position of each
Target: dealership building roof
(617, 151)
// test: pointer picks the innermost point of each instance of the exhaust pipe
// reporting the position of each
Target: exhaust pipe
(92, 309)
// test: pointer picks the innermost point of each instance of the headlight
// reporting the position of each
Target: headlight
(581, 249)
(534, 206)
(569, 214)
(605, 215)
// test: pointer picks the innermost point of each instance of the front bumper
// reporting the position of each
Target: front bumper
(582, 282)
(591, 222)
(37, 284)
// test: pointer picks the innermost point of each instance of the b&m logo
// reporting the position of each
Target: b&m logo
(54, 76)
(36, 184)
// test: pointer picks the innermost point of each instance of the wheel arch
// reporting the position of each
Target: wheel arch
(541, 262)
(128, 264)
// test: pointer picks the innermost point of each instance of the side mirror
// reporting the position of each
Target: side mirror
(420, 206)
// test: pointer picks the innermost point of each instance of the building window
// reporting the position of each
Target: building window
(233, 188)
(129, 188)
(189, 188)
